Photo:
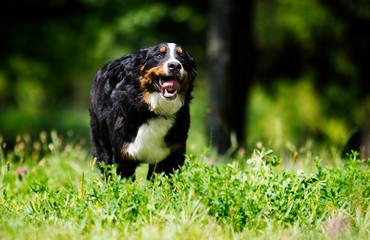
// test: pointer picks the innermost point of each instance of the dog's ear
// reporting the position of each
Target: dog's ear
(192, 63)
(140, 59)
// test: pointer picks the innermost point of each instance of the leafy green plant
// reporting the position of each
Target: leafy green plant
(249, 197)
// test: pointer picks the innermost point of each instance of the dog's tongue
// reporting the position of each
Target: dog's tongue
(171, 86)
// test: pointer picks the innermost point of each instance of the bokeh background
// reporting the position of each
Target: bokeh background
(298, 81)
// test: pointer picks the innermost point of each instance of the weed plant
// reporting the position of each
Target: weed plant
(49, 189)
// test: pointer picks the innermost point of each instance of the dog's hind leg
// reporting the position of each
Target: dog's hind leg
(101, 148)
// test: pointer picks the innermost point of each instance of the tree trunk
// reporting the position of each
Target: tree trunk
(230, 64)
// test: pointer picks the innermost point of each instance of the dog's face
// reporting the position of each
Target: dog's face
(166, 74)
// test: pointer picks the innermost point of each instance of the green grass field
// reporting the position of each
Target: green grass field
(50, 190)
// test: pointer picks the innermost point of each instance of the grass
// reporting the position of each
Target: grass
(50, 189)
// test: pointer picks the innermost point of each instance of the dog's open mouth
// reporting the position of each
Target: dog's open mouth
(168, 86)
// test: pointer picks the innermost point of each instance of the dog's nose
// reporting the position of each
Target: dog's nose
(174, 67)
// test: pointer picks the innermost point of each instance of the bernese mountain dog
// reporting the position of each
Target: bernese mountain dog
(140, 109)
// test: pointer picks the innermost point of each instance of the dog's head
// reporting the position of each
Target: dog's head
(166, 73)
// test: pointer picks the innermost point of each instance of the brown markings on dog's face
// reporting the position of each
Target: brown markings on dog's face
(184, 84)
(162, 49)
(142, 68)
(147, 84)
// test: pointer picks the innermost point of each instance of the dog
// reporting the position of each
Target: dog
(139, 109)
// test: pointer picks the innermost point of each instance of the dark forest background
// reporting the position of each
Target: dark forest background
(285, 73)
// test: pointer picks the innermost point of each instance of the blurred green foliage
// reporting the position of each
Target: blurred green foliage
(314, 53)
(50, 54)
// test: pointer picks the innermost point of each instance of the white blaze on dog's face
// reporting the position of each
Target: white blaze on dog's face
(172, 65)
(165, 77)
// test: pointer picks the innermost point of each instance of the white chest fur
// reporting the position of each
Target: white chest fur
(149, 145)
(162, 106)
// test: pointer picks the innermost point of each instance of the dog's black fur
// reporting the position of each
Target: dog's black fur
(122, 102)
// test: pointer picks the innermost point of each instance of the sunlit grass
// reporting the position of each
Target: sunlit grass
(50, 188)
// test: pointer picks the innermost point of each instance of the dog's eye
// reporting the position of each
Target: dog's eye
(182, 56)
(159, 55)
